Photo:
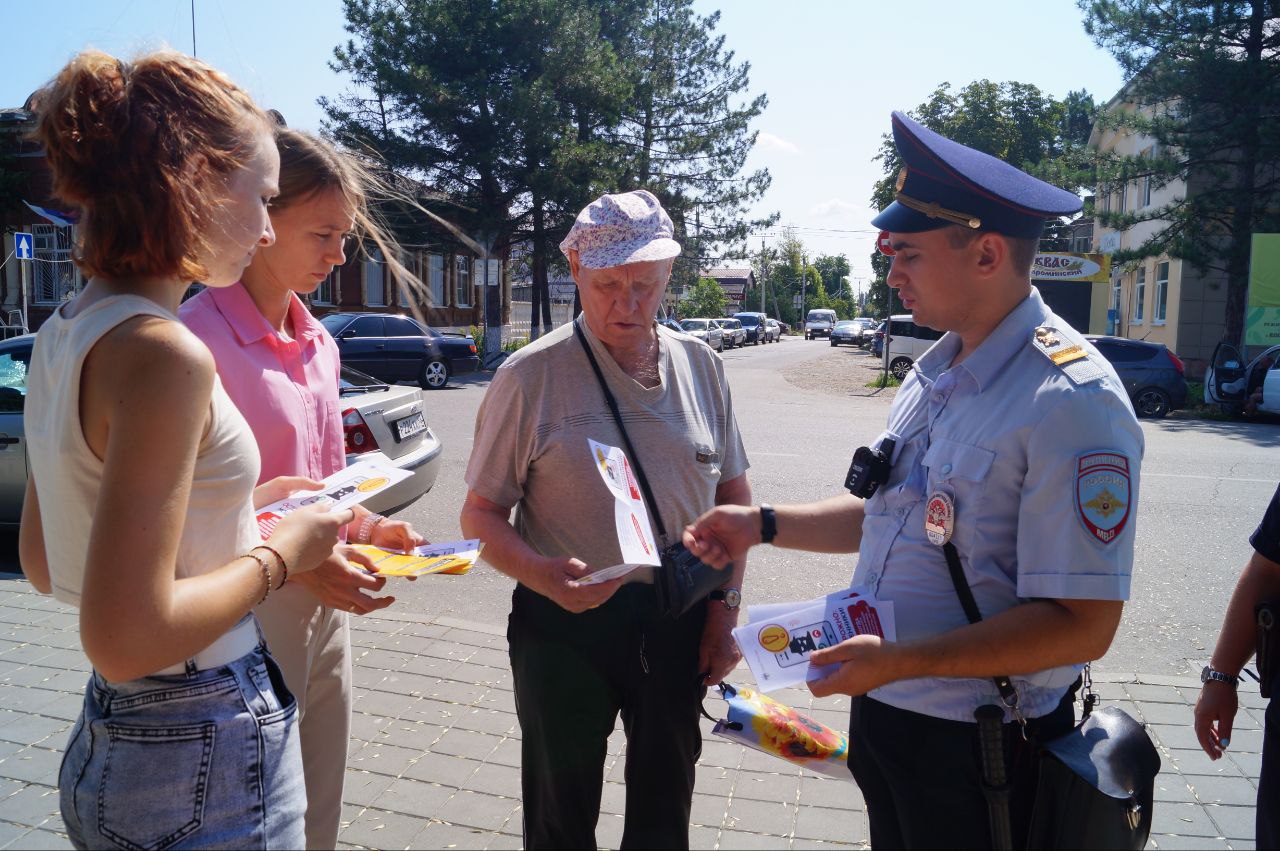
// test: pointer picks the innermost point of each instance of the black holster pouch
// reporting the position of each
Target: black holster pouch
(1267, 636)
(1097, 785)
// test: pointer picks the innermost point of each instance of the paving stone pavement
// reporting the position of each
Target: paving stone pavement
(435, 748)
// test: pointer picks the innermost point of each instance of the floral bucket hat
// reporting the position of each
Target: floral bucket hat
(630, 227)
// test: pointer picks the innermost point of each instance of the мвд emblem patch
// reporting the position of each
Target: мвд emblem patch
(1103, 494)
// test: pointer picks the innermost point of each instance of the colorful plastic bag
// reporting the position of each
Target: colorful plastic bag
(762, 723)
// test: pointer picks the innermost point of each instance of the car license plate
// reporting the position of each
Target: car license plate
(409, 426)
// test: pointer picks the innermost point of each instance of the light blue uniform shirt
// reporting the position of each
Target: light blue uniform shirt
(1041, 460)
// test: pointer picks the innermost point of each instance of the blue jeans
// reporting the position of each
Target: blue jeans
(209, 759)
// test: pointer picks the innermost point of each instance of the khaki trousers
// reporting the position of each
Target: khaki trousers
(312, 645)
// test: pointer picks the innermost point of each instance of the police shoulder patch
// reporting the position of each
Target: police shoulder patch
(1067, 354)
(1103, 494)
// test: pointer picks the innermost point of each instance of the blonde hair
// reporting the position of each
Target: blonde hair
(310, 165)
(141, 148)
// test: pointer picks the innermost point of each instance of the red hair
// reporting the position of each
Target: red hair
(141, 149)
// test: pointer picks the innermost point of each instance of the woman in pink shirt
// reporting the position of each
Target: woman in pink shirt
(280, 366)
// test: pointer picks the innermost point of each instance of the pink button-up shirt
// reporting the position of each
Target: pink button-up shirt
(286, 389)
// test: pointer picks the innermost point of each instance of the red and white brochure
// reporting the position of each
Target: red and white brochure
(631, 518)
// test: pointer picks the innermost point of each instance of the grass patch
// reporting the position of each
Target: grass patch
(886, 379)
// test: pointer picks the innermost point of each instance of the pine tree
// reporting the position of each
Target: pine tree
(1203, 77)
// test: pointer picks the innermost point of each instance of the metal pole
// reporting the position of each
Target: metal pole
(764, 267)
(804, 285)
(22, 283)
(193, 29)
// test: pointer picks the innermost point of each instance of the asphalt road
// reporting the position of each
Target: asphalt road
(1204, 487)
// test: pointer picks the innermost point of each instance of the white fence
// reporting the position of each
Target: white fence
(521, 311)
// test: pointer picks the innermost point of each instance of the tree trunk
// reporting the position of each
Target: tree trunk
(1247, 172)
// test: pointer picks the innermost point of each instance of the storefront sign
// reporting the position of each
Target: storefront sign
(1061, 266)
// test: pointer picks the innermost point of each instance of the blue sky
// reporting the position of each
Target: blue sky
(833, 70)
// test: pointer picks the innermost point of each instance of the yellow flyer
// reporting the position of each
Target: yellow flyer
(451, 559)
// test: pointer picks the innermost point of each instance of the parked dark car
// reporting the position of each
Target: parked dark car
(755, 326)
(395, 348)
(1153, 376)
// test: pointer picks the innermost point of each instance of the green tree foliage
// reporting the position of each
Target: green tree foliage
(704, 298)
(521, 111)
(1203, 82)
(469, 98)
(834, 269)
(685, 133)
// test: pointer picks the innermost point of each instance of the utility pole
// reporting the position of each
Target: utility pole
(804, 283)
(764, 268)
(194, 54)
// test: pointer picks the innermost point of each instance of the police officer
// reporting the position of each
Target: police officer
(1216, 708)
(1011, 440)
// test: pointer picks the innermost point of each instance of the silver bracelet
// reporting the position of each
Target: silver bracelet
(367, 525)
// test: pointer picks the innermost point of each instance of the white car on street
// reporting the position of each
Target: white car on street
(1228, 381)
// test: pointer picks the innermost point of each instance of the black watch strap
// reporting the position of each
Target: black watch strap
(768, 523)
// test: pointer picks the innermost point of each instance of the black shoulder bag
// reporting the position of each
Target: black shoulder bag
(682, 580)
(1096, 783)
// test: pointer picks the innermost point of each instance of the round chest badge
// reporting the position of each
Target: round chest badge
(939, 518)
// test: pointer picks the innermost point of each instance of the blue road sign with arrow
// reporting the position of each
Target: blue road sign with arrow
(22, 245)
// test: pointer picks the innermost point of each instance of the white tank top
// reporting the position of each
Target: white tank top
(220, 521)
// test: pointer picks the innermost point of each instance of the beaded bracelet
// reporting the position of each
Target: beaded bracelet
(367, 525)
(284, 566)
(266, 574)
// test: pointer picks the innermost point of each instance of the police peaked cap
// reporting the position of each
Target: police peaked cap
(944, 183)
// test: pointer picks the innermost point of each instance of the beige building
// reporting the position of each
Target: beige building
(1160, 299)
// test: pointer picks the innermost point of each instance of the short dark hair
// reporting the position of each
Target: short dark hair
(1022, 249)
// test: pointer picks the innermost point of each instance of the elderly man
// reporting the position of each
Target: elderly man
(582, 654)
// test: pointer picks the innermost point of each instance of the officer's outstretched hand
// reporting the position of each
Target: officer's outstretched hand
(558, 578)
(865, 663)
(1215, 713)
(723, 533)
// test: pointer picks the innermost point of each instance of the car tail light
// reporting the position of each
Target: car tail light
(359, 438)
(473, 348)
(1177, 362)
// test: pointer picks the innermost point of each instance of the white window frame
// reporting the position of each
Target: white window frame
(373, 260)
(1140, 296)
(1145, 196)
(326, 293)
(1117, 298)
(1159, 313)
(435, 279)
(52, 250)
(461, 280)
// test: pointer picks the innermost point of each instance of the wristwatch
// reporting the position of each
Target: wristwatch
(731, 597)
(768, 523)
(1218, 677)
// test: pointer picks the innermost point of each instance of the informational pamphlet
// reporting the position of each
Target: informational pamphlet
(777, 639)
(453, 559)
(631, 518)
(343, 489)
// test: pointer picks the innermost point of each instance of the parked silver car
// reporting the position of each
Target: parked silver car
(705, 330)
(734, 333)
(387, 423)
(381, 422)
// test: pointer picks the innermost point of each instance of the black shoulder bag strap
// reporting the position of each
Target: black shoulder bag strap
(626, 439)
(1004, 685)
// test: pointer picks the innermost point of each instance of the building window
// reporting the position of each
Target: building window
(1162, 294)
(55, 277)
(462, 282)
(1106, 201)
(375, 279)
(1113, 321)
(324, 293)
(413, 263)
(435, 279)
(1140, 297)
(1124, 189)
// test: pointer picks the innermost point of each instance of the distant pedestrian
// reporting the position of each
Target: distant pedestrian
(140, 505)
(580, 655)
(1216, 709)
(281, 368)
